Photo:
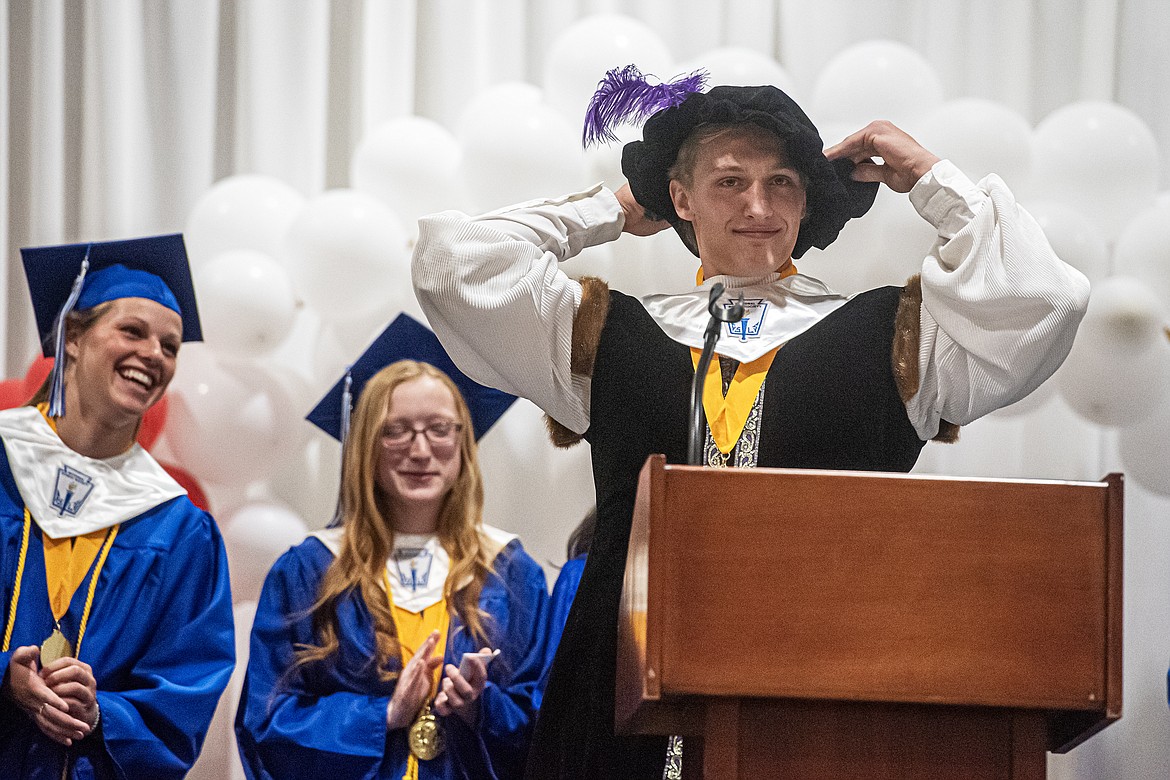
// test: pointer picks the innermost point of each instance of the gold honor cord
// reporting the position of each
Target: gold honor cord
(16, 586)
(425, 737)
(56, 646)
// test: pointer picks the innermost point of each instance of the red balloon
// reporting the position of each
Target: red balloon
(36, 375)
(12, 394)
(189, 483)
(153, 423)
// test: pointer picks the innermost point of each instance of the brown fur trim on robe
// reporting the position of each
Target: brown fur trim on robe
(907, 331)
(587, 325)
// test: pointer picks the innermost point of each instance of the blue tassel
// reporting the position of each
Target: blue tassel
(346, 411)
(57, 379)
(625, 95)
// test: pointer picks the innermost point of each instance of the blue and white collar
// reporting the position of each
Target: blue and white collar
(418, 567)
(779, 309)
(69, 494)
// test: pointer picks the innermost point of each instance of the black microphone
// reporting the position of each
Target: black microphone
(733, 313)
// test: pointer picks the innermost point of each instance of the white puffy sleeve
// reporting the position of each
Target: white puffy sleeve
(999, 308)
(492, 290)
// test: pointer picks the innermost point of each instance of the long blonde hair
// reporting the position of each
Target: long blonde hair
(368, 538)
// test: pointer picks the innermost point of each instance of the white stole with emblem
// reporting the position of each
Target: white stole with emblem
(69, 494)
(419, 565)
(777, 309)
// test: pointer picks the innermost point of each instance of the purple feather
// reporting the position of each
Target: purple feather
(625, 95)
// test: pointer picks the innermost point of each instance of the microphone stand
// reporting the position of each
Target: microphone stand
(718, 316)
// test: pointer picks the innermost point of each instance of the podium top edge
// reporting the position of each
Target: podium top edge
(898, 476)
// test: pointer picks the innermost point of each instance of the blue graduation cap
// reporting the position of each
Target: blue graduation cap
(80, 276)
(405, 339)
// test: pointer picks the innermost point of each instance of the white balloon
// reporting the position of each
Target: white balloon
(1143, 448)
(980, 137)
(513, 455)
(412, 164)
(605, 161)
(660, 263)
(340, 343)
(885, 246)
(846, 264)
(1075, 239)
(248, 211)
(904, 240)
(741, 66)
(1099, 158)
(308, 478)
(1143, 249)
(876, 79)
(1111, 387)
(348, 256)
(507, 98)
(513, 154)
(228, 422)
(255, 536)
(1124, 317)
(578, 58)
(246, 302)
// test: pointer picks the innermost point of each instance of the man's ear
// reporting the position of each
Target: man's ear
(681, 200)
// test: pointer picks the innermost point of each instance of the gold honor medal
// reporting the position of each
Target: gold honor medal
(426, 736)
(56, 646)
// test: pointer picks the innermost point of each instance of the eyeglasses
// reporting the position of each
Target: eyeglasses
(439, 432)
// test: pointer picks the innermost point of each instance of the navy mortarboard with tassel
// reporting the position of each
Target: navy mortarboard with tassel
(72, 277)
(405, 339)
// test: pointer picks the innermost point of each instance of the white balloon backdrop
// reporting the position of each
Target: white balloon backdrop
(292, 285)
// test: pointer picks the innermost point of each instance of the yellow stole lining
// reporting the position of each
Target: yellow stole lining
(727, 415)
(67, 560)
(413, 629)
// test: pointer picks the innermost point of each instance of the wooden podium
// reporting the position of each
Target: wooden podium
(830, 624)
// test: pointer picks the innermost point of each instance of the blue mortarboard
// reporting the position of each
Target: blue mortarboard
(406, 339)
(80, 276)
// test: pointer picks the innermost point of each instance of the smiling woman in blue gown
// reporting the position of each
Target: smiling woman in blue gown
(355, 669)
(118, 637)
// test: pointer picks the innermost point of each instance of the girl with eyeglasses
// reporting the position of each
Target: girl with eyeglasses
(373, 645)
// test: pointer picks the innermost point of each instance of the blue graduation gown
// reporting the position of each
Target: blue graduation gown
(159, 639)
(560, 603)
(329, 719)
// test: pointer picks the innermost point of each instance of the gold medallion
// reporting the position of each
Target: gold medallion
(56, 646)
(426, 736)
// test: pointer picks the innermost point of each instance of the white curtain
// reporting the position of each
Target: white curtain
(119, 114)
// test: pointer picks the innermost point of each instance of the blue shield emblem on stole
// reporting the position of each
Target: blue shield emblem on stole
(754, 310)
(414, 566)
(71, 490)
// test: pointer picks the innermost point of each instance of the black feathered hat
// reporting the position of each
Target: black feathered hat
(833, 196)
